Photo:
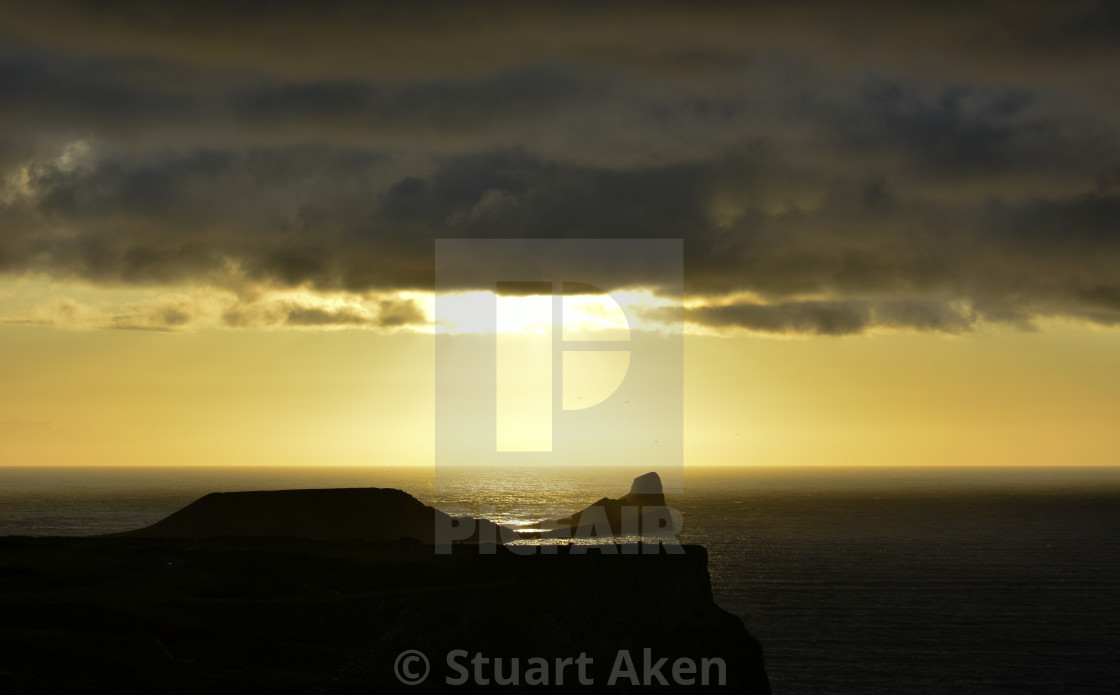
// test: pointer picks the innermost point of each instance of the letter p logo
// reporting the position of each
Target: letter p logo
(559, 352)
(586, 334)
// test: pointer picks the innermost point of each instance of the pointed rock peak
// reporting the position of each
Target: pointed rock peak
(648, 484)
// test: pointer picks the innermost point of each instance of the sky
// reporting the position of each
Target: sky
(901, 223)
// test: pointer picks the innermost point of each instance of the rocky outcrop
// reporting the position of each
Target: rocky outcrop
(646, 488)
(635, 512)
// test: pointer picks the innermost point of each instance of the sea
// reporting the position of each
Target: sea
(855, 580)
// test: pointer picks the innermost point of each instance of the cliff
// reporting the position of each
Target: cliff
(191, 605)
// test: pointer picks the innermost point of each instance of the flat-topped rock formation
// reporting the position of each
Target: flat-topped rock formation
(326, 514)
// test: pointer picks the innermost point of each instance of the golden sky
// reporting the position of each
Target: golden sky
(900, 223)
(360, 397)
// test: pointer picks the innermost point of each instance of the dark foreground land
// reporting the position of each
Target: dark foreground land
(284, 615)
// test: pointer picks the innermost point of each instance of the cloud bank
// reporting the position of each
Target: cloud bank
(849, 166)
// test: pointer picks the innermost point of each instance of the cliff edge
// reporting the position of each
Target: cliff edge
(298, 591)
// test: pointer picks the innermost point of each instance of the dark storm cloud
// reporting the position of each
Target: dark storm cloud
(413, 39)
(954, 131)
(851, 167)
(142, 101)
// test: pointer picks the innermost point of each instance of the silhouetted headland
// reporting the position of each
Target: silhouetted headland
(319, 591)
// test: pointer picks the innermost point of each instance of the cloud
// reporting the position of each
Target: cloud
(835, 318)
(851, 167)
(390, 314)
(207, 308)
(314, 312)
(169, 313)
(393, 313)
(827, 318)
(862, 239)
(323, 317)
(163, 313)
(407, 40)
